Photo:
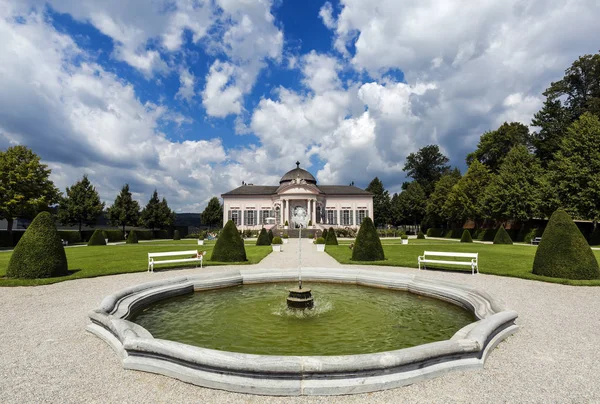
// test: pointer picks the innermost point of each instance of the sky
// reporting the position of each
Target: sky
(192, 97)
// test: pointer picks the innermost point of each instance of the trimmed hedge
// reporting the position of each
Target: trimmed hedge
(97, 238)
(176, 235)
(71, 236)
(502, 237)
(229, 246)
(324, 235)
(368, 245)
(270, 234)
(564, 252)
(320, 240)
(143, 234)
(466, 237)
(132, 237)
(276, 240)
(435, 232)
(420, 236)
(263, 238)
(39, 253)
(331, 238)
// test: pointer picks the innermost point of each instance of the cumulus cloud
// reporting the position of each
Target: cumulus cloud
(187, 82)
(320, 72)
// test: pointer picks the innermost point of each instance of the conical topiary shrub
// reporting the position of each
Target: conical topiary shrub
(367, 246)
(229, 246)
(176, 235)
(324, 235)
(39, 253)
(421, 236)
(564, 252)
(466, 237)
(331, 238)
(271, 236)
(502, 236)
(131, 238)
(263, 238)
(97, 238)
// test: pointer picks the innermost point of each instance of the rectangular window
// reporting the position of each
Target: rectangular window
(332, 217)
(250, 218)
(360, 216)
(235, 216)
(347, 217)
(265, 215)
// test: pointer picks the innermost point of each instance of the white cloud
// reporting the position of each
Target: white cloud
(222, 96)
(326, 14)
(320, 72)
(187, 82)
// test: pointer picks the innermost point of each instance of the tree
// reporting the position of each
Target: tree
(426, 167)
(157, 214)
(494, 145)
(213, 213)
(465, 199)
(575, 171)
(229, 246)
(381, 202)
(411, 204)
(576, 93)
(39, 253)
(514, 193)
(438, 197)
(25, 187)
(82, 204)
(368, 245)
(263, 238)
(124, 211)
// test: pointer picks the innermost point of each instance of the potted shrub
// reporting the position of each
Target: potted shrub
(201, 238)
(286, 225)
(404, 239)
(320, 242)
(285, 238)
(276, 244)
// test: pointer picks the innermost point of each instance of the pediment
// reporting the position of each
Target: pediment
(295, 189)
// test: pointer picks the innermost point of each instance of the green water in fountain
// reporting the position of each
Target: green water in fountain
(347, 319)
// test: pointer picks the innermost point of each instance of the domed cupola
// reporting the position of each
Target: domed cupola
(298, 175)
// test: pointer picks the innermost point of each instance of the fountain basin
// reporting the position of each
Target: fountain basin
(301, 375)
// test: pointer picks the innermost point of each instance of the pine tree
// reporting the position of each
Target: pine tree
(125, 211)
(82, 204)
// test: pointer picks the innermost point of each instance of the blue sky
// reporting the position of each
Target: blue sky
(192, 97)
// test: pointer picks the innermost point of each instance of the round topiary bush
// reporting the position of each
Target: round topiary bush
(320, 240)
(466, 237)
(331, 238)
(263, 238)
(324, 235)
(421, 236)
(502, 236)
(132, 238)
(277, 240)
(367, 246)
(229, 246)
(564, 252)
(176, 235)
(271, 235)
(39, 253)
(97, 238)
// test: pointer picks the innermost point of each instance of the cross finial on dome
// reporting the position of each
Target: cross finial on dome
(297, 164)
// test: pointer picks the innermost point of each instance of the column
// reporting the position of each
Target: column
(313, 212)
(284, 213)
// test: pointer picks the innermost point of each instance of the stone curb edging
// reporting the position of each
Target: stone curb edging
(301, 375)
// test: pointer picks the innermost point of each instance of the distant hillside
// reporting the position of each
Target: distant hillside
(187, 219)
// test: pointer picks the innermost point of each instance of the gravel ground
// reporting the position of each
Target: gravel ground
(47, 356)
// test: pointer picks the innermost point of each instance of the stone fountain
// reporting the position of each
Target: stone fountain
(299, 298)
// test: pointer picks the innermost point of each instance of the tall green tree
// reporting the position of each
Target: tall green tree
(81, 205)
(381, 202)
(426, 167)
(576, 93)
(465, 200)
(25, 186)
(514, 193)
(412, 203)
(213, 213)
(125, 211)
(154, 215)
(494, 145)
(575, 171)
(438, 197)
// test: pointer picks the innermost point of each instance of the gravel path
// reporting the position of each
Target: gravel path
(47, 356)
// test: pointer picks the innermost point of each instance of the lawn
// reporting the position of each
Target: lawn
(504, 260)
(88, 262)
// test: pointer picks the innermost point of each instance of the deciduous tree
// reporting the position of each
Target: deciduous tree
(494, 145)
(213, 213)
(466, 197)
(381, 202)
(426, 167)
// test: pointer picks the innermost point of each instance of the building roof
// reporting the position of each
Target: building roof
(256, 190)
(298, 173)
(342, 190)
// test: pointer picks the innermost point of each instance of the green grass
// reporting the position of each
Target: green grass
(89, 262)
(503, 260)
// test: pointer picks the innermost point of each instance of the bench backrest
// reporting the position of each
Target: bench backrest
(450, 254)
(172, 253)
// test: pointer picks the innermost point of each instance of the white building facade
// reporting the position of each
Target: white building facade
(256, 206)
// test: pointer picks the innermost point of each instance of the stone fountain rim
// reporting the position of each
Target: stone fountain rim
(468, 348)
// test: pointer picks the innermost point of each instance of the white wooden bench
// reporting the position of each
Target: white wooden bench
(192, 256)
(425, 259)
(536, 240)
